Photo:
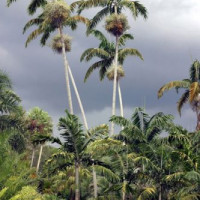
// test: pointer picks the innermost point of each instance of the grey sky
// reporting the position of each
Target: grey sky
(168, 41)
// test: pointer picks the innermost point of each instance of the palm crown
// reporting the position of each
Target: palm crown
(106, 53)
(108, 7)
(191, 86)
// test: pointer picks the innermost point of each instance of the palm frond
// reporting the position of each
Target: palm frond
(110, 175)
(99, 64)
(34, 5)
(135, 7)
(35, 21)
(123, 53)
(98, 17)
(194, 90)
(173, 84)
(147, 193)
(124, 38)
(184, 98)
(120, 121)
(33, 35)
(94, 52)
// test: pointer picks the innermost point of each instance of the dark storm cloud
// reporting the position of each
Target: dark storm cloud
(168, 41)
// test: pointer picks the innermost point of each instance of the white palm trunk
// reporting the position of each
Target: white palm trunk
(66, 73)
(39, 159)
(79, 99)
(32, 157)
(114, 85)
(120, 100)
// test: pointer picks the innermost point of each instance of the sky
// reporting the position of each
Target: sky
(168, 40)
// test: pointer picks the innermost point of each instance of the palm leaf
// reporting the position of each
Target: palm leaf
(194, 90)
(124, 38)
(103, 171)
(173, 84)
(34, 5)
(147, 193)
(100, 64)
(94, 52)
(33, 35)
(98, 17)
(123, 53)
(135, 7)
(184, 98)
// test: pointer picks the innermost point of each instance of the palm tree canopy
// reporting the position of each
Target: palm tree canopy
(106, 53)
(108, 7)
(56, 14)
(191, 86)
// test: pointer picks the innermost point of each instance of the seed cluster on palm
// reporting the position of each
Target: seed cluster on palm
(56, 43)
(116, 24)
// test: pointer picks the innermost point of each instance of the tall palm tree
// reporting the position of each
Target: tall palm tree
(191, 93)
(55, 16)
(116, 24)
(106, 53)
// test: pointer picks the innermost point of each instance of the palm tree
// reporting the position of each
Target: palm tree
(75, 144)
(116, 24)
(109, 7)
(39, 122)
(106, 52)
(56, 15)
(192, 90)
(139, 134)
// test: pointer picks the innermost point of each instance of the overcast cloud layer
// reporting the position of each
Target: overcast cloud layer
(168, 40)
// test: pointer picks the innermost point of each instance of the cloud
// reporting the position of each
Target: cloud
(168, 41)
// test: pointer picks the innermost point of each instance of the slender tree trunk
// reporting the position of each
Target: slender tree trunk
(160, 193)
(79, 99)
(124, 191)
(120, 100)
(114, 84)
(32, 158)
(39, 159)
(94, 181)
(198, 120)
(77, 191)
(66, 72)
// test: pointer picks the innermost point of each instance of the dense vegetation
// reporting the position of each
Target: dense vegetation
(150, 158)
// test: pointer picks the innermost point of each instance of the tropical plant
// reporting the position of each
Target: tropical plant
(74, 145)
(39, 122)
(106, 52)
(55, 16)
(192, 90)
(116, 23)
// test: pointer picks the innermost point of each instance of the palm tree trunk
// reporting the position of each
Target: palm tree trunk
(39, 159)
(66, 72)
(160, 193)
(94, 181)
(32, 157)
(78, 98)
(198, 120)
(114, 84)
(77, 191)
(120, 100)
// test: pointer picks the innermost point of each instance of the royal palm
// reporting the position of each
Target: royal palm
(55, 16)
(106, 53)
